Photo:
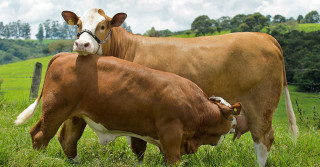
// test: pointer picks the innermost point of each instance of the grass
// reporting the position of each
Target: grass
(308, 27)
(16, 148)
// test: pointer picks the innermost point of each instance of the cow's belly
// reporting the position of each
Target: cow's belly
(105, 136)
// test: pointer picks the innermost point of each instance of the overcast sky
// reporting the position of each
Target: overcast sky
(143, 14)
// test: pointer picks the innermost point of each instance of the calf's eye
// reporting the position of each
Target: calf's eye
(102, 27)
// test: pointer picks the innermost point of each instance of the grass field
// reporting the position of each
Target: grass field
(309, 27)
(16, 148)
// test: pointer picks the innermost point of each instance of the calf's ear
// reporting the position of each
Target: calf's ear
(236, 108)
(70, 17)
(118, 19)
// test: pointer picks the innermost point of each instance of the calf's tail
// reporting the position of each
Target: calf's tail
(28, 112)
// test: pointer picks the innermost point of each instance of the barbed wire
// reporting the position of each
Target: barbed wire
(293, 83)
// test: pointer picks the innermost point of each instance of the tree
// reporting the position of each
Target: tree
(7, 31)
(47, 28)
(201, 25)
(216, 26)
(165, 33)
(152, 32)
(279, 19)
(1, 29)
(39, 35)
(255, 22)
(225, 22)
(244, 27)
(300, 17)
(126, 27)
(269, 18)
(312, 17)
(55, 30)
(237, 20)
(26, 31)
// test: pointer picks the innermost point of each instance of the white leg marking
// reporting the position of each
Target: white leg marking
(261, 153)
(75, 159)
(220, 140)
(140, 163)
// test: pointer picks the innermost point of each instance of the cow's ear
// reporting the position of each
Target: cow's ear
(118, 19)
(70, 17)
(236, 108)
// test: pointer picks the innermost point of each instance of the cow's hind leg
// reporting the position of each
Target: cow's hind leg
(69, 135)
(138, 147)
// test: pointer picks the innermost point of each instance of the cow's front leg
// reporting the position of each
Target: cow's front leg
(69, 135)
(138, 147)
(170, 141)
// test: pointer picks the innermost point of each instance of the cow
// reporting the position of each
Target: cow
(246, 67)
(116, 97)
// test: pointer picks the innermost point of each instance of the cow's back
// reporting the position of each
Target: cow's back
(226, 65)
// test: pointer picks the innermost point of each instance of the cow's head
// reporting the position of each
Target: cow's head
(94, 28)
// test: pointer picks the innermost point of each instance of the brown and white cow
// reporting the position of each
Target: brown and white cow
(246, 67)
(117, 97)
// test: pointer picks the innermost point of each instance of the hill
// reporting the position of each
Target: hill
(19, 50)
(309, 27)
(17, 77)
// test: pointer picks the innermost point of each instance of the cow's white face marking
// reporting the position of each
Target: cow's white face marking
(105, 136)
(261, 153)
(86, 44)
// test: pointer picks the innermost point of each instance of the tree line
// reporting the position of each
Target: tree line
(54, 30)
(47, 30)
(256, 22)
(15, 30)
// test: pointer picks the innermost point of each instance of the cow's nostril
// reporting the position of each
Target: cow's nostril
(86, 44)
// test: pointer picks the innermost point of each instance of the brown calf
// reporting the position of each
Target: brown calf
(116, 98)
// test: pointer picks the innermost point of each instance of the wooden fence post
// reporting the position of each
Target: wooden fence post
(36, 79)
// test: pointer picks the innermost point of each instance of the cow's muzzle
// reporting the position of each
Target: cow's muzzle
(81, 46)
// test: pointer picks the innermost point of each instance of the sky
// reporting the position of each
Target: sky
(174, 15)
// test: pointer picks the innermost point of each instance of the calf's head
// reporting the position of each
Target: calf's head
(219, 126)
(94, 29)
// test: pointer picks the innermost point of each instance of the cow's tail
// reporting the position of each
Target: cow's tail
(28, 112)
(291, 116)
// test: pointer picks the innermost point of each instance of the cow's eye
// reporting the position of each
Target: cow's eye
(102, 27)
(78, 25)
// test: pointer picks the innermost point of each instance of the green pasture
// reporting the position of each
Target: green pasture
(16, 148)
(308, 27)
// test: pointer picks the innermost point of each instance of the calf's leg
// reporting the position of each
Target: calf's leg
(170, 141)
(138, 147)
(71, 131)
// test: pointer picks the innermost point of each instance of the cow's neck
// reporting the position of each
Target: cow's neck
(121, 44)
